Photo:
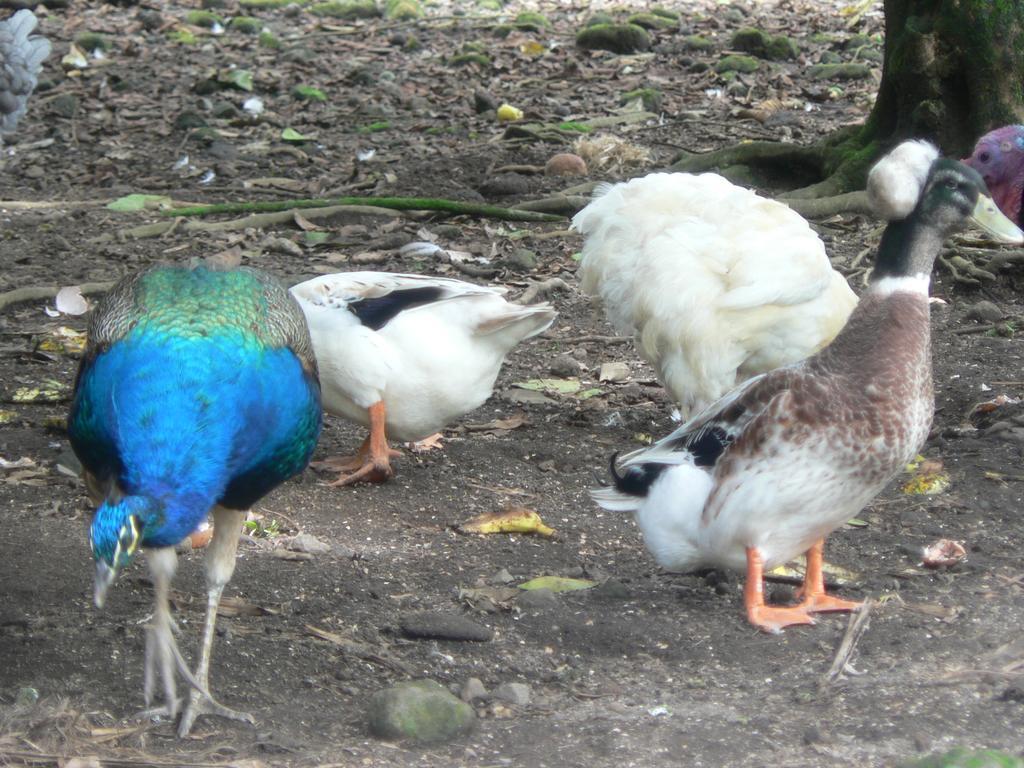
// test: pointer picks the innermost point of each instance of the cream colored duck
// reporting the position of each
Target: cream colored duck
(768, 471)
(406, 355)
(716, 283)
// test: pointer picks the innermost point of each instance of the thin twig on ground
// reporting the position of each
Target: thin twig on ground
(855, 628)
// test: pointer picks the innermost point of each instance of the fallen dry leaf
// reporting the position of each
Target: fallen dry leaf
(497, 426)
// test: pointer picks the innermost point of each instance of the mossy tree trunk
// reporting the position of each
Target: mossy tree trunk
(953, 70)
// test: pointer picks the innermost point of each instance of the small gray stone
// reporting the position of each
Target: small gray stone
(522, 260)
(613, 371)
(564, 366)
(537, 599)
(421, 711)
(505, 184)
(224, 110)
(611, 589)
(307, 542)
(473, 689)
(517, 694)
(483, 101)
(502, 577)
(443, 626)
(985, 311)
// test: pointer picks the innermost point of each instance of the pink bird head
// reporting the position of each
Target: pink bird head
(999, 158)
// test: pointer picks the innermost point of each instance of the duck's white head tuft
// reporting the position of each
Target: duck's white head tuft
(896, 181)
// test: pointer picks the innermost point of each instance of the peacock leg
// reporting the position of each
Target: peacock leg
(374, 453)
(162, 654)
(220, 565)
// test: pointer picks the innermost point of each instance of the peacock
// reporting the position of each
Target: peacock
(198, 391)
(21, 56)
(779, 462)
(407, 354)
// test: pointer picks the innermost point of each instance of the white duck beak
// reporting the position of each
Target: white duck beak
(989, 218)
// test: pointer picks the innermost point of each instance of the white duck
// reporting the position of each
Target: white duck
(405, 355)
(716, 283)
(777, 464)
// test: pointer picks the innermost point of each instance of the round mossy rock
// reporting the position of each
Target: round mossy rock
(420, 711)
(839, 71)
(247, 25)
(650, 97)
(652, 21)
(403, 10)
(346, 9)
(697, 43)
(531, 21)
(599, 17)
(736, 63)
(617, 38)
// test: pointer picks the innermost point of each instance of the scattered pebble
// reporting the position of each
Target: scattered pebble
(483, 101)
(564, 366)
(473, 689)
(421, 711)
(502, 577)
(565, 164)
(984, 311)
(522, 260)
(517, 694)
(611, 589)
(443, 626)
(614, 371)
(505, 184)
(307, 542)
(537, 600)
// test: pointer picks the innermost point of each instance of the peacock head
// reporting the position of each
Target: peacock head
(115, 537)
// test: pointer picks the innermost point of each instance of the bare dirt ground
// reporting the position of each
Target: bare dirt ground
(644, 669)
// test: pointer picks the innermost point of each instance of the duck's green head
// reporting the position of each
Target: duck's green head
(115, 537)
(955, 195)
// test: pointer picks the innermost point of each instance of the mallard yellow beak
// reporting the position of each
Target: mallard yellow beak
(988, 217)
(105, 575)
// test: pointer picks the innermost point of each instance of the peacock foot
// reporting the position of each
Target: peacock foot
(162, 659)
(200, 702)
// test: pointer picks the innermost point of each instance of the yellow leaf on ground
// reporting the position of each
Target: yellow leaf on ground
(511, 520)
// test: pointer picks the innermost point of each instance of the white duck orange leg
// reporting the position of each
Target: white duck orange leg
(372, 462)
(769, 618)
(813, 591)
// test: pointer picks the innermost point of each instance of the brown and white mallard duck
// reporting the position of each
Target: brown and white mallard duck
(406, 355)
(768, 471)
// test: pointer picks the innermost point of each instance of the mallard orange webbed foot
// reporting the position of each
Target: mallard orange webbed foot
(767, 618)
(814, 599)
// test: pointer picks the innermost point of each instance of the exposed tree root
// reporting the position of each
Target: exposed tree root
(453, 207)
(788, 160)
(39, 292)
(340, 214)
(832, 171)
